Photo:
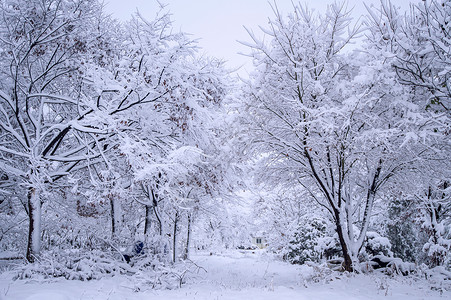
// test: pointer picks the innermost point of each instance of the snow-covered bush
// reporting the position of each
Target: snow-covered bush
(390, 265)
(329, 247)
(303, 247)
(74, 265)
(437, 250)
(437, 224)
(147, 271)
(438, 277)
(377, 244)
(403, 229)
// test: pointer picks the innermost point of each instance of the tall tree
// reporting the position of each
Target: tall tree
(175, 150)
(40, 95)
(325, 121)
(416, 46)
(64, 93)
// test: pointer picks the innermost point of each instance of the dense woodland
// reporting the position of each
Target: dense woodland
(336, 146)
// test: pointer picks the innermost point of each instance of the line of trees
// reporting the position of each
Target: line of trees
(106, 117)
(126, 127)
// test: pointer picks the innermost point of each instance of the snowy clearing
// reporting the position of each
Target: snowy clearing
(233, 275)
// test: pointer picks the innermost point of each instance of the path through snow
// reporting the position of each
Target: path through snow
(231, 276)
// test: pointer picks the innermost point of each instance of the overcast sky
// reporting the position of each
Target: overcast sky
(218, 24)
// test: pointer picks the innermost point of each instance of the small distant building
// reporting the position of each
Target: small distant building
(260, 242)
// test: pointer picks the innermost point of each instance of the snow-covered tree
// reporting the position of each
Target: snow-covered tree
(175, 149)
(70, 81)
(416, 45)
(41, 96)
(334, 124)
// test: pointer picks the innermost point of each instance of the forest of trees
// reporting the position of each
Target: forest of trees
(113, 133)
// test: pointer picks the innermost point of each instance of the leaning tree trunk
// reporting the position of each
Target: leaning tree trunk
(34, 231)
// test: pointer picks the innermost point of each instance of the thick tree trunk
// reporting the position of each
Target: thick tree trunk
(34, 229)
(347, 265)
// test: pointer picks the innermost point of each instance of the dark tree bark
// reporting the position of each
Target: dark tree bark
(186, 254)
(114, 212)
(174, 240)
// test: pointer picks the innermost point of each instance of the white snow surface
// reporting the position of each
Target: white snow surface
(232, 275)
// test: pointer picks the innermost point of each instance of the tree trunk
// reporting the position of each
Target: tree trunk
(115, 215)
(186, 254)
(34, 231)
(155, 204)
(148, 220)
(174, 240)
(160, 225)
(347, 265)
(152, 196)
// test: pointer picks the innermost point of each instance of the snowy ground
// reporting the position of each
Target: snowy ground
(235, 275)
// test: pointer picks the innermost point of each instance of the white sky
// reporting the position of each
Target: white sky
(218, 24)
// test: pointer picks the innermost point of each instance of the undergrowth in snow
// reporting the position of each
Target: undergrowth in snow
(145, 272)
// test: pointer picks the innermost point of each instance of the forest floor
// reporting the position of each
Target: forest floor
(235, 275)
